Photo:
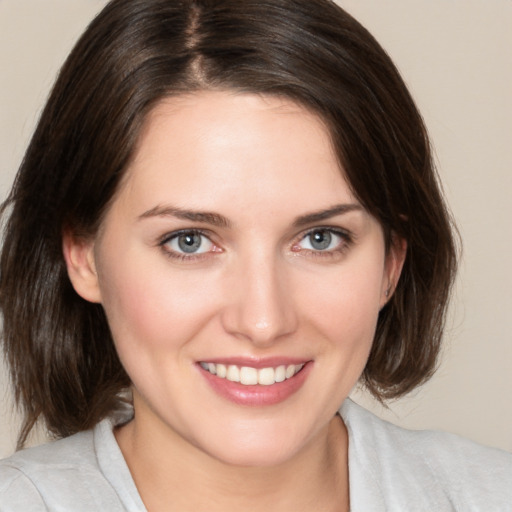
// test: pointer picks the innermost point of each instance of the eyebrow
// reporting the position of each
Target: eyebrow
(215, 219)
(320, 215)
(212, 218)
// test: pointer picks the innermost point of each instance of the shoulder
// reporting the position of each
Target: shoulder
(66, 453)
(30, 476)
(443, 469)
(17, 491)
(62, 475)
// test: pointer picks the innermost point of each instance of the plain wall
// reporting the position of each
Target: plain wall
(456, 57)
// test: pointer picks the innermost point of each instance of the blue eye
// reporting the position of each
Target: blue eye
(189, 242)
(321, 240)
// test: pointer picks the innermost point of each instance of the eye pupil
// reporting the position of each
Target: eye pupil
(320, 240)
(189, 242)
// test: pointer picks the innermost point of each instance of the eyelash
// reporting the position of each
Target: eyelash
(347, 239)
(180, 256)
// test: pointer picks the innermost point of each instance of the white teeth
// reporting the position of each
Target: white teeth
(221, 371)
(249, 376)
(266, 376)
(280, 373)
(233, 373)
(290, 371)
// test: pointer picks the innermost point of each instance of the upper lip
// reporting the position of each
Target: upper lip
(257, 362)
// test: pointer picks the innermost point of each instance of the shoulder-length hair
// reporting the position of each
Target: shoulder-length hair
(62, 360)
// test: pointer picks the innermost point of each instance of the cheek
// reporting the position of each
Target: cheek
(348, 296)
(150, 308)
(345, 306)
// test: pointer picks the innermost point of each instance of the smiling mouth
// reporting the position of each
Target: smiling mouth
(249, 376)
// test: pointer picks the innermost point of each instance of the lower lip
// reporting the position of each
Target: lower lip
(257, 395)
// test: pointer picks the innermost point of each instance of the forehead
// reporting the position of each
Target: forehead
(230, 118)
(209, 146)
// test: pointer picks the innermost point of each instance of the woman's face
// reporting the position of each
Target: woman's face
(235, 250)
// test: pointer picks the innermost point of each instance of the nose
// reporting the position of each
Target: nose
(261, 303)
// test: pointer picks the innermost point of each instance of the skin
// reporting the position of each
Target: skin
(256, 288)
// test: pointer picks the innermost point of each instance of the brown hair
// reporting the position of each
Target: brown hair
(61, 356)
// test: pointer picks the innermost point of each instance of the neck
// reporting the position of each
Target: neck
(172, 475)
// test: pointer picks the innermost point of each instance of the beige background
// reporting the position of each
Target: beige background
(456, 57)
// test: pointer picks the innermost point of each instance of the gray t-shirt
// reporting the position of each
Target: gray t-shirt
(391, 469)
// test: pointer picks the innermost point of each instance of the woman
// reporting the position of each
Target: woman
(229, 209)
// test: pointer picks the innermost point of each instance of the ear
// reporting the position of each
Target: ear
(79, 256)
(395, 259)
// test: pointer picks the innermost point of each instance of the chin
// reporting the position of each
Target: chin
(266, 446)
(254, 457)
